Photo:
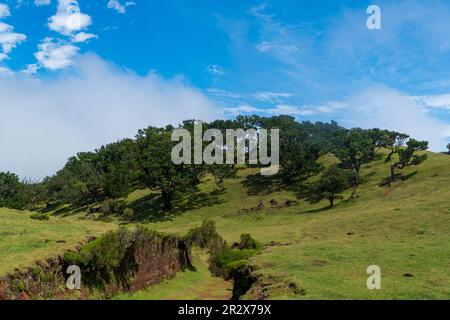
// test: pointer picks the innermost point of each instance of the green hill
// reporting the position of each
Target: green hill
(310, 252)
(405, 229)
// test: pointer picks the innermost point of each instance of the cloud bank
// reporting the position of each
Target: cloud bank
(375, 106)
(46, 121)
(390, 109)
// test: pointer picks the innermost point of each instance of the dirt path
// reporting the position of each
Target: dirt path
(188, 285)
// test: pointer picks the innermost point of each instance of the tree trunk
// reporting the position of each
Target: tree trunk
(167, 199)
(355, 186)
(331, 199)
(392, 179)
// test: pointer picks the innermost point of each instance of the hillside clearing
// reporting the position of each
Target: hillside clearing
(405, 229)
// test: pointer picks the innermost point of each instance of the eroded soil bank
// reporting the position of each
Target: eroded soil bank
(122, 260)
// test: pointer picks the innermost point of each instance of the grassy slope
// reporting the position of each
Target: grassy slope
(24, 241)
(403, 229)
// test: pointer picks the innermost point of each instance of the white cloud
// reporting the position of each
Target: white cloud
(376, 106)
(3, 56)
(308, 110)
(5, 71)
(292, 110)
(55, 54)
(31, 69)
(434, 102)
(4, 11)
(69, 18)
(83, 37)
(40, 3)
(264, 46)
(243, 108)
(8, 38)
(389, 109)
(215, 69)
(43, 122)
(223, 93)
(119, 7)
(272, 97)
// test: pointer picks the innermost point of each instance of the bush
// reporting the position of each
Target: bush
(128, 214)
(225, 261)
(40, 217)
(205, 236)
(106, 260)
(111, 259)
(113, 207)
(247, 242)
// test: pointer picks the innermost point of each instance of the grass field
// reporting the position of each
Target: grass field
(24, 241)
(404, 229)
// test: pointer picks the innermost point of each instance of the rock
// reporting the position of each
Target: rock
(94, 210)
(24, 296)
(289, 203)
(319, 263)
(260, 206)
(90, 238)
(273, 203)
(408, 275)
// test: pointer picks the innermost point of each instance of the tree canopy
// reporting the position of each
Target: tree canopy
(114, 170)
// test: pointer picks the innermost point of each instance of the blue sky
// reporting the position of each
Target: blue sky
(82, 73)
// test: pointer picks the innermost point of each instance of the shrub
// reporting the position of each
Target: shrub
(205, 236)
(128, 214)
(225, 261)
(247, 242)
(113, 207)
(20, 285)
(111, 259)
(105, 260)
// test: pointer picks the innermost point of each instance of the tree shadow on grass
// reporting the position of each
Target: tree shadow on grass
(306, 191)
(68, 210)
(151, 209)
(50, 207)
(200, 200)
(302, 190)
(341, 203)
(386, 182)
(326, 208)
(258, 184)
(61, 212)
